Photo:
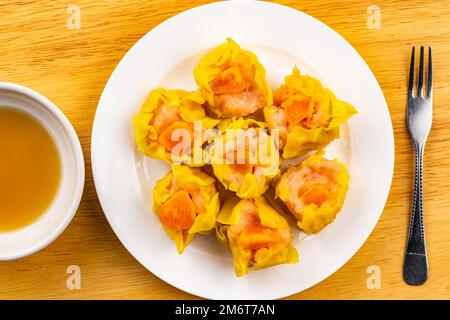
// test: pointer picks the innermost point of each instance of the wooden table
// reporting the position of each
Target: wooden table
(71, 67)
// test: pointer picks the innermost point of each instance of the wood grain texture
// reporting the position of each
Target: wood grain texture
(71, 68)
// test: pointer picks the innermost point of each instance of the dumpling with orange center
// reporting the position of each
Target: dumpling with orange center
(314, 191)
(305, 114)
(232, 81)
(245, 159)
(186, 202)
(257, 235)
(165, 127)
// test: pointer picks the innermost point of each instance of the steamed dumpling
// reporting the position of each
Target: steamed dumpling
(245, 159)
(305, 114)
(164, 129)
(314, 191)
(258, 236)
(232, 81)
(186, 202)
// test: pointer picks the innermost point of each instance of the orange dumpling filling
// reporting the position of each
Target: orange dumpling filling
(317, 194)
(232, 81)
(246, 159)
(306, 115)
(297, 109)
(186, 203)
(178, 212)
(164, 117)
(257, 236)
(314, 191)
(252, 234)
(229, 80)
(300, 110)
(236, 93)
(169, 141)
(245, 167)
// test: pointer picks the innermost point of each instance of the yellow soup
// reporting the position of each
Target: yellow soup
(30, 169)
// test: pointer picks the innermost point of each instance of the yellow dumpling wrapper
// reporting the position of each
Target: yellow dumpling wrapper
(229, 54)
(196, 183)
(189, 110)
(245, 259)
(302, 139)
(314, 217)
(249, 184)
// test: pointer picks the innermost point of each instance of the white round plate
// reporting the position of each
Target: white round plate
(280, 37)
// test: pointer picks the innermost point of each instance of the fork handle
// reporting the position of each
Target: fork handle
(415, 268)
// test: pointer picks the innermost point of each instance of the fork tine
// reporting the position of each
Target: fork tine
(420, 82)
(430, 74)
(411, 73)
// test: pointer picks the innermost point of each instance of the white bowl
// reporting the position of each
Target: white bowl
(56, 218)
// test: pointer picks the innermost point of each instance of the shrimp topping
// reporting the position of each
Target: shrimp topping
(232, 81)
(311, 184)
(229, 81)
(314, 192)
(236, 93)
(178, 212)
(175, 134)
(253, 235)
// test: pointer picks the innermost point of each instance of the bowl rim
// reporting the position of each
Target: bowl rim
(79, 160)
